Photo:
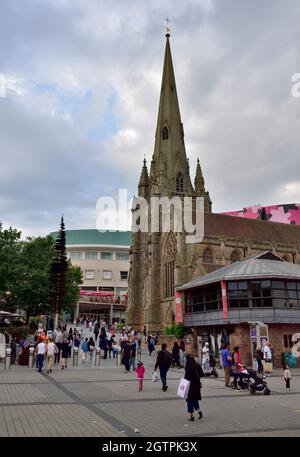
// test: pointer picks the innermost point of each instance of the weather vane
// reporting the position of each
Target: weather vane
(167, 24)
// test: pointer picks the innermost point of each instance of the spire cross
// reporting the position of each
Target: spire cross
(167, 24)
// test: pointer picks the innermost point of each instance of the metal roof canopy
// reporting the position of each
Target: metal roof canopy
(262, 266)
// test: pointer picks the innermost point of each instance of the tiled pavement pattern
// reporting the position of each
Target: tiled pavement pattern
(104, 401)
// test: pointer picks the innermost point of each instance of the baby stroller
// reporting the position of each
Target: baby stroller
(243, 379)
(258, 384)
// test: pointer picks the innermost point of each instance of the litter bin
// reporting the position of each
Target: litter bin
(288, 358)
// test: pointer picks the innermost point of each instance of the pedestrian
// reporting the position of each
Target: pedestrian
(96, 331)
(126, 356)
(85, 350)
(287, 377)
(140, 371)
(58, 341)
(163, 362)
(51, 349)
(259, 360)
(13, 347)
(175, 354)
(226, 362)
(132, 355)
(91, 346)
(145, 333)
(138, 343)
(41, 350)
(151, 343)
(109, 342)
(205, 358)
(193, 373)
(236, 366)
(103, 342)
(267, 356)
(64, 353)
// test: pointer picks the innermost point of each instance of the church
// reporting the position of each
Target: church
(161, 262)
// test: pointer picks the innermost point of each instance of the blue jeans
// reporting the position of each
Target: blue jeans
(192, 405)
(163, 375)
(132, 363)
(40, 361)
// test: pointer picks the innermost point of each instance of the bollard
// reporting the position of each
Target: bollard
(75, 357)
(97, 357)
(31, 357)
(118, 358)
(7, 358)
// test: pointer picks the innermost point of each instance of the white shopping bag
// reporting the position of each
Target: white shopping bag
(183, 388)
(154, 376)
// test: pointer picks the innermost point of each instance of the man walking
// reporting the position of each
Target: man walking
(41, 350)
(163, 362)
(226, 362)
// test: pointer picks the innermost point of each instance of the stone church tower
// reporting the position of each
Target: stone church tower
(155, 256)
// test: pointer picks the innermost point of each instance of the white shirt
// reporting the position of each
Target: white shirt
(267, 353)
(50, 348)
(41, 348)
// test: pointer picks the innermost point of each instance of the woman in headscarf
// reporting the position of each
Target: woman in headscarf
(193, 373)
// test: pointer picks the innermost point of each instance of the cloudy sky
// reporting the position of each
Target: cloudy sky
(79, 107)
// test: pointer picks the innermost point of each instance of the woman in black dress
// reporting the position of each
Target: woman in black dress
(193, 373)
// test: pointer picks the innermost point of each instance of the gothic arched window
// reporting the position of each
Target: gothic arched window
(235, 256)
(208, 256)
(165, 133)
(179, 183)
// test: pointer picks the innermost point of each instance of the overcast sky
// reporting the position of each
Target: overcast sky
(82, 82)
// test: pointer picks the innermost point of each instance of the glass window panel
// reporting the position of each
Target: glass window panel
(278, 285)
(233, 303)
(292, 304)
(243, 293)
(279, 293)
(123, 274)
(244, 303)
(107, 274)
(256, 303)
(106, 255)
(278, 302)
(267, 302)
(233, 294)
(91, 255)
(214, 305)
(243, 285)
(291, 285)
(266, 292)
(75, 255)
(122, 256)
(232, 285)
(292, 294)
(265, 284)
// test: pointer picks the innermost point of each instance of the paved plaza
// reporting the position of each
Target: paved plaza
(104, 401)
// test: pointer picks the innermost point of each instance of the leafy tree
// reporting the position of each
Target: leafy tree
(31, 288)
(10, 248)
(74, 278)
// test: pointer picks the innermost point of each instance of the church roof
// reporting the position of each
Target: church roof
(250, 229)
(265, 265)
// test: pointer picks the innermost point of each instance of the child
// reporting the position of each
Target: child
(287, 377)
(140, 371)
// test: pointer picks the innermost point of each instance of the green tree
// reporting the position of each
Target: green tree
(10, 248)
(74, 278)
(59, 269)
(31, 288)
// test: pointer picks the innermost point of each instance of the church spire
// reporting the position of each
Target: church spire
(144, 181)
(169, 158)
(199, 180)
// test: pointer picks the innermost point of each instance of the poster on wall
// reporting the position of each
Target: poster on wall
(224, 299)
(178, 307)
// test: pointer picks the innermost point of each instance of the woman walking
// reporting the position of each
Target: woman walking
(193, 373)
(64, 353)
(51, 349)
(91, 346)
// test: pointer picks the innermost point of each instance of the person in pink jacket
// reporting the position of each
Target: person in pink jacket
(140, 371)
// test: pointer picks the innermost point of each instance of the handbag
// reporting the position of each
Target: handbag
(92, 348)
(154, 376)
(183, 388)
(268, 367)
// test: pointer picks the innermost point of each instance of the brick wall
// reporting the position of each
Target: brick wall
(276, 332)
(241, 338)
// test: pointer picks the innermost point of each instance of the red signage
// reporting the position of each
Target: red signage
(178, 307)
(224, 299)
